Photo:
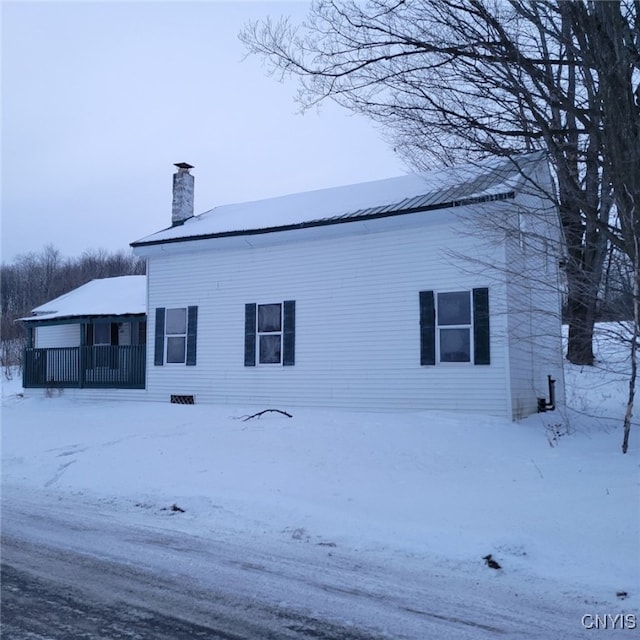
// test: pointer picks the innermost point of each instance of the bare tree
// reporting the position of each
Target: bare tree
(613, 40)
(455, 80)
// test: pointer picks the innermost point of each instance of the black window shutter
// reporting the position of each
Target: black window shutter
(192, 332)
(427, 328)
(158, 359)
(250, 335)
(481, 336)
(289, 334)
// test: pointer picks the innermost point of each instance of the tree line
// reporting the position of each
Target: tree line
(35, 278)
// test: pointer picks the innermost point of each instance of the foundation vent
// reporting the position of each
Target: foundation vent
(175, 399)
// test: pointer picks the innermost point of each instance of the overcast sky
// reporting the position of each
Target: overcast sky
(99, 99)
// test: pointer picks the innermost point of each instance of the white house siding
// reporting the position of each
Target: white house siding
(534, 301)
(124, 333)
(58, 335)
(357, 340)
(91, 395)
(521, 346)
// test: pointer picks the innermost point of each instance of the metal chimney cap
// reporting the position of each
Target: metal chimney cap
(183, 165)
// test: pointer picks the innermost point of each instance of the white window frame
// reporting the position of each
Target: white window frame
(466, 326)
(168, 336)
(259, 334)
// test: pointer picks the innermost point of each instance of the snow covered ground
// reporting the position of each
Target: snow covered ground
(551, 497)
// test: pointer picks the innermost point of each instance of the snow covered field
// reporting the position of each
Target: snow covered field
(551, 497)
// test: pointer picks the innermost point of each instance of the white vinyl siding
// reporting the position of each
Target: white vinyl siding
(57, 335)
(97, 395)
(534, 300)
(357, 317)
(125, 333)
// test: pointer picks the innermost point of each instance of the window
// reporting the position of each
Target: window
(175, 335)
(454, 327)
(270, 333)
(522, 229)
(102, 336)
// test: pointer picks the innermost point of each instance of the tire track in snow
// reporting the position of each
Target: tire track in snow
(58, 474)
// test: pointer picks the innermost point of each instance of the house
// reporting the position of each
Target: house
(428, 291)
(92, 338)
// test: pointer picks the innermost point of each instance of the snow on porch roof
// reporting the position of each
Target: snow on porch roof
(124, 295)
(404, 194)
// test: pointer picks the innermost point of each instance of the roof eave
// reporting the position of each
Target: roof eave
(82, 319)
(323, 222)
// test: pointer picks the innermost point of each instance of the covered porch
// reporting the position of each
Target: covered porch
(98, 367)
(100, 352)
(95, 336)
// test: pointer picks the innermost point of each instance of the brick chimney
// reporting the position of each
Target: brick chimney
(182, 208)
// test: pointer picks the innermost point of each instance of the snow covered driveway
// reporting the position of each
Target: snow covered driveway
(58, 595)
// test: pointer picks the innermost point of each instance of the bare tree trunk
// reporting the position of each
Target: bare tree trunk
(635, 336)
(615, 53)
(581, 319)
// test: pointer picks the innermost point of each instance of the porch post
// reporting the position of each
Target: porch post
(81, 355)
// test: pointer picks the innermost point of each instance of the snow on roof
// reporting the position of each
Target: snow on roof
(124, 295)
(435, 189)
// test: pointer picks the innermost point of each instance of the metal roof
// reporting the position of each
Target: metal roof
(495, 179)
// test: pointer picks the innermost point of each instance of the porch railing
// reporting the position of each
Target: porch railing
(98, 367)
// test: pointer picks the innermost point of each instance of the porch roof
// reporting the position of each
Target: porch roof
(120, 296)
